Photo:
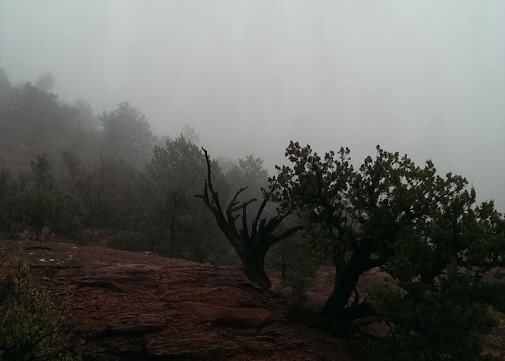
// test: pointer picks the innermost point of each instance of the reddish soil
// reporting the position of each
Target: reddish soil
(139, 306)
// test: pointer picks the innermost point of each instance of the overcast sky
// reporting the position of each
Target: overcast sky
(424, 77)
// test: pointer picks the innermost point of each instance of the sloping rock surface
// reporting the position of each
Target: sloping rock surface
(138, 306)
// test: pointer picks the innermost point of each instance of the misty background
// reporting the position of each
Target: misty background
(425, 78)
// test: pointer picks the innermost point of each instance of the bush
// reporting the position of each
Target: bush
(298, 260)
(436, 322)
(32, 322)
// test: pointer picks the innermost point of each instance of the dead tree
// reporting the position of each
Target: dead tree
(251, 244)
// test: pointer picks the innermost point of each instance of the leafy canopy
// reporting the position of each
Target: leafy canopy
(423, 229)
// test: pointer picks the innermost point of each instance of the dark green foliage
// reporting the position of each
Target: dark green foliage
(114, 194)
(31, 322)
(297, 260)
(493, 292)
(8, 223)
(42, 202)
(437, 322)
(155, 205)
(107, 190)
(179, 224)
(35, 201)
(418, 226)
(296, 265)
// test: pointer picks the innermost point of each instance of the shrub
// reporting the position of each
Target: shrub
(31, 322)
(435, 323)
(298, 261)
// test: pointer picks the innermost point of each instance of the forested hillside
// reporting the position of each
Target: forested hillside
(69, 174)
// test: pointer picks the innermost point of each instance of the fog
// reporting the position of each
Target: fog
(425, 78)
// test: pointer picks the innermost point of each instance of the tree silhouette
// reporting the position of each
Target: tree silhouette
(252, 240)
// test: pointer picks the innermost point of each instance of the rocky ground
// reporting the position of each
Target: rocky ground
(139, 306)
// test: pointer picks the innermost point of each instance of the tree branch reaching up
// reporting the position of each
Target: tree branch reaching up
(250, 245)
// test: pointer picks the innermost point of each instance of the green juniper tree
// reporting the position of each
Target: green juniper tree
(425, 230)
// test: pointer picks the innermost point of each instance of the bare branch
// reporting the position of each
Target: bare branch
(261, 226)
(287, 233)
(208, 183)
(274, 222)
(243, 205)
(251, 248)
(245, 230)
(205, 197)
(260, 211)
(237, 194)
(212, 201)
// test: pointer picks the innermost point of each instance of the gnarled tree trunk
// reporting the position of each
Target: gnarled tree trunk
(252, 244)
(337, 314)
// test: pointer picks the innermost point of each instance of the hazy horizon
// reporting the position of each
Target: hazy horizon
(425, 78)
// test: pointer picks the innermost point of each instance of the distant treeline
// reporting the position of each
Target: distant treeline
(33, 120)
(107, 176)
